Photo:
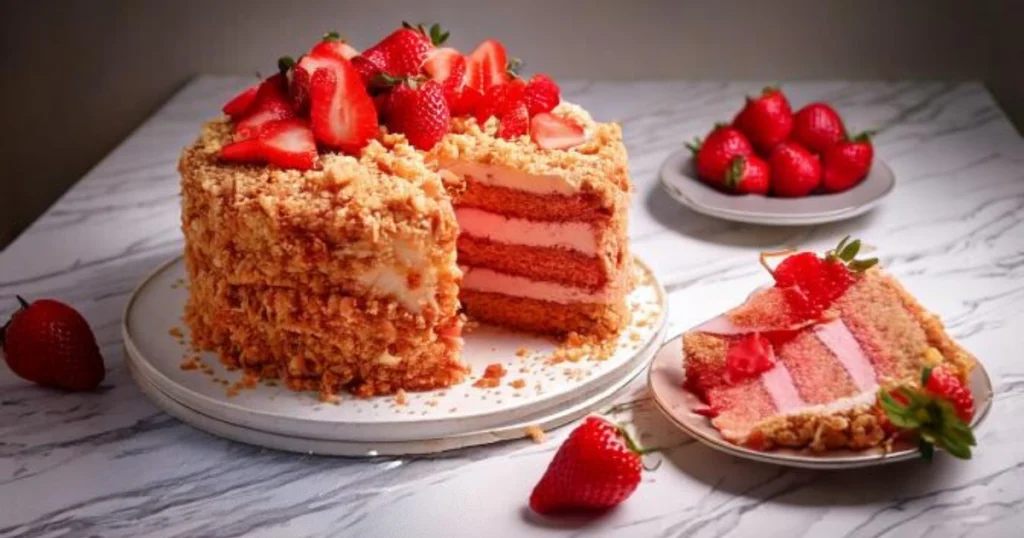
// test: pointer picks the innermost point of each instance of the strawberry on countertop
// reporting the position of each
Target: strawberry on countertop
(555, 132)
(286, 143)
(342, 113)
(795, 170)
(50, 343)
(847, 163)
(597, 467)
(417, 108)
(748, 175)
(715, 154)
(818, 127)
(766, 120)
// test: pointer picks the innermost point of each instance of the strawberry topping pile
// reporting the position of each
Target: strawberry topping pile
(334, 98)
(938, 413)
(747, 357)
(770, 151)
(813, 283)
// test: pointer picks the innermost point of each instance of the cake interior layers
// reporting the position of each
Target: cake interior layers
(880, 338)
(538, 255)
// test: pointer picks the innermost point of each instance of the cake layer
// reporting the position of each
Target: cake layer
(527, 205)
(575, 236)
(549, 264)
(546, 317)
(490, 281)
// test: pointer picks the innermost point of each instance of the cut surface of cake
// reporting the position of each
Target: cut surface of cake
(801, 364)
(338, 231)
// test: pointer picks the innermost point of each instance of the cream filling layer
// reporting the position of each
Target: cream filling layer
(393, 279)
(577, 236)
(488, 281)
(780, 386)
(509, 178)
(836, 336)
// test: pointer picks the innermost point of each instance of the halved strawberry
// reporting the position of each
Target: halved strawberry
(447, 66)
(402, 52)
(748, 357)
(488, 65)
(302, 74)
(270, 104)
(555, 132)
(241, 103)
(286, 143)
(514, 122)
(342, 113)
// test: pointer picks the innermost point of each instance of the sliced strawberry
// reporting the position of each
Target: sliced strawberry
(555, 132)
(514, 122)
(241, 103)
(747, 357)
(447, 66)
(341, 110)
(491, 60)
(270, 104)
(286, 143)
(302, 75)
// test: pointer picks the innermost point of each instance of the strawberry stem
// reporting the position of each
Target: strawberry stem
(694, 146)
(24, 303)
(331, 36)
(763, 258)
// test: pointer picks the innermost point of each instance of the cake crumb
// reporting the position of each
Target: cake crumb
(401, 398)
(537, 434)
(176, 332)
(189, 364)
(522, 351)
(518, 383)
(328, 397)
(492, 376)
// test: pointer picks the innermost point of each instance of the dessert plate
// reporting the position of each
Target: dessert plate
(680, 180)
(547, 385)
(665, 380)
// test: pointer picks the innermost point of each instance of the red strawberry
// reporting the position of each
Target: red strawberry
(766, 120)
(369, 66)
(596, 468)
(325, 54)
(747, 357)
(795, 171)
(270, 104)
(487, 66)
(332, 45)
(401, 54)
(514, 122)
(715, 154)
(542, 94)
(555, 132)
(241, 103)
(847, 163)
(748, 175)
(342, 113)
(285, 143)
(50, 343)
(500, 98)
(818, 282)
(942, 382)
(447, 66)
(418, 110)
(817, 127)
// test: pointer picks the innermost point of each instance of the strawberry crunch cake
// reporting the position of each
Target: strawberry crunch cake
(836, 355)
(349, 212)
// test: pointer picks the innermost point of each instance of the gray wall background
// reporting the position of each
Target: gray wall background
(79, 76)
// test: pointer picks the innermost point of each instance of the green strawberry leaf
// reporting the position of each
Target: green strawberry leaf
(849, 252)
(694, 146)
(331, 36)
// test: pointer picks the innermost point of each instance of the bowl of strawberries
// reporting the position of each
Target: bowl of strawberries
(774, 166)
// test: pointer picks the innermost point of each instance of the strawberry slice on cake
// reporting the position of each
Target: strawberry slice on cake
(803, 363)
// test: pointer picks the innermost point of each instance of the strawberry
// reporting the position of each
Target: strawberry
(342, 112)
(500, 98)
(939, 413)
(766, 119)
(816, 282)
(715, 154)
(241, 103)
(447, 66)
(417, 109)
(286, 143)
(368, 65)
(747, 357)
(514, 123)
(542, 94)
(270, 104)
(596, 468)
(748, 175)
(325, 54)
(555, 132)
(50, 343)
(487, 66)
(332, 45)
(401, 53)
(817, 127)
(795, 171)
(847, 163)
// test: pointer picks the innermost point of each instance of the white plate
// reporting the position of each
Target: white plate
(157, 304)
(665, 380)
(680, 180)
(327, 447)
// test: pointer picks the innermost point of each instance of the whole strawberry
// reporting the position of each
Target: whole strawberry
(715, 154)
(417, 108)
(847, 163)
(596, 468)
(766, 119)
(748, 175)
(795, 170)
(542, 94)
(403, 52)
(820, 281)
(938, 413)
(942, 382)
(50, 343)
(817, 127)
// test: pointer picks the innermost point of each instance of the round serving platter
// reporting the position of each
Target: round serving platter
(665, 380)
(680, 180)
(156, 344)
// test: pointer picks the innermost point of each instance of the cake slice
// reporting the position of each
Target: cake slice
(801, 364)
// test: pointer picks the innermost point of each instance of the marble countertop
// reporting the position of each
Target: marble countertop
(110, 464)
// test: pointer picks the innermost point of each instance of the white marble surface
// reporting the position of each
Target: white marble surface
(110, 464)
